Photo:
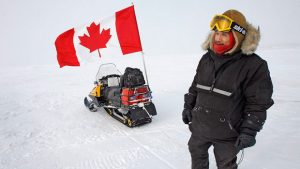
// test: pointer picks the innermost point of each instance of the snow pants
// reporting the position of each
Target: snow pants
(224, 151)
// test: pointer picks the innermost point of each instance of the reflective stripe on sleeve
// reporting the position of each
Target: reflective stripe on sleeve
(203, 87)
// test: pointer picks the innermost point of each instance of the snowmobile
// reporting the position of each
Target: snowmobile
(124, 97)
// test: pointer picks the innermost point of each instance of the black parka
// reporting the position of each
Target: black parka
(226, 92)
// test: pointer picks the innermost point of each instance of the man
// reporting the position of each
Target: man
(231, 91)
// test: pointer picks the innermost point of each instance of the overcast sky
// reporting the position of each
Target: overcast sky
(167, 27)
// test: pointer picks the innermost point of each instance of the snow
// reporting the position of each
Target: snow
(44, 124)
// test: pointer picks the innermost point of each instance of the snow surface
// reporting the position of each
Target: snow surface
(44, 124)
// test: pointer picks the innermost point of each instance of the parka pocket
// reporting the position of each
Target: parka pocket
(212, 123)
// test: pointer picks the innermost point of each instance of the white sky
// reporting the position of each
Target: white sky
(170, 27)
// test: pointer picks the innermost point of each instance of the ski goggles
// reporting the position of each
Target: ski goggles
(224, 24)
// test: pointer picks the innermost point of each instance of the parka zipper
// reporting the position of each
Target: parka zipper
(219, 71)
(212, 85)
(216, 76)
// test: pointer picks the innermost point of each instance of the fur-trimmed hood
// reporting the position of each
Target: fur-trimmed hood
(248, 46)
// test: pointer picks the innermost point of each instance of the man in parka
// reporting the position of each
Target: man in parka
(231, 91)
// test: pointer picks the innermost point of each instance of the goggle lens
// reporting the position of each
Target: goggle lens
(221, 22)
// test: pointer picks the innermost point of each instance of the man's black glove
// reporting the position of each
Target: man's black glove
(245, 139)
(189, 103)
(250, 126)
(187, 116)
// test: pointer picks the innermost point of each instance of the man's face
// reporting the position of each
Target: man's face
(222, 38)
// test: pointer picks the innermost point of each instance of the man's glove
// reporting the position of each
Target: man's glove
(250, 126)
(189, 101)
(245, 139)
(187, 116)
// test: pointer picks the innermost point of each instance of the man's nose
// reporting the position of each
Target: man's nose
(217, 37)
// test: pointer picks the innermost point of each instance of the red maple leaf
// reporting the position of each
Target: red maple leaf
(96, 40)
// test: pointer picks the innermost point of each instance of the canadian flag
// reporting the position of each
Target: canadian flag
(118, 34)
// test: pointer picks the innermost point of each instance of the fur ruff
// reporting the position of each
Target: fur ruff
(249, 44)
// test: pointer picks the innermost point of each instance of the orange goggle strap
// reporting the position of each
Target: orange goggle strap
(226, 25)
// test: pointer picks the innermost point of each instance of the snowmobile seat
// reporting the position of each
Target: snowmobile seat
(113, 94)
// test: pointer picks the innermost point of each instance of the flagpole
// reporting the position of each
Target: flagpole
(99, 53)
(143, 57)
(145, 67)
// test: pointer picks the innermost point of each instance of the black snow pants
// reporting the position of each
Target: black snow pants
(224, 150)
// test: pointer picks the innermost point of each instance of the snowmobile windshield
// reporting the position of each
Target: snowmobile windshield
(107, 69)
